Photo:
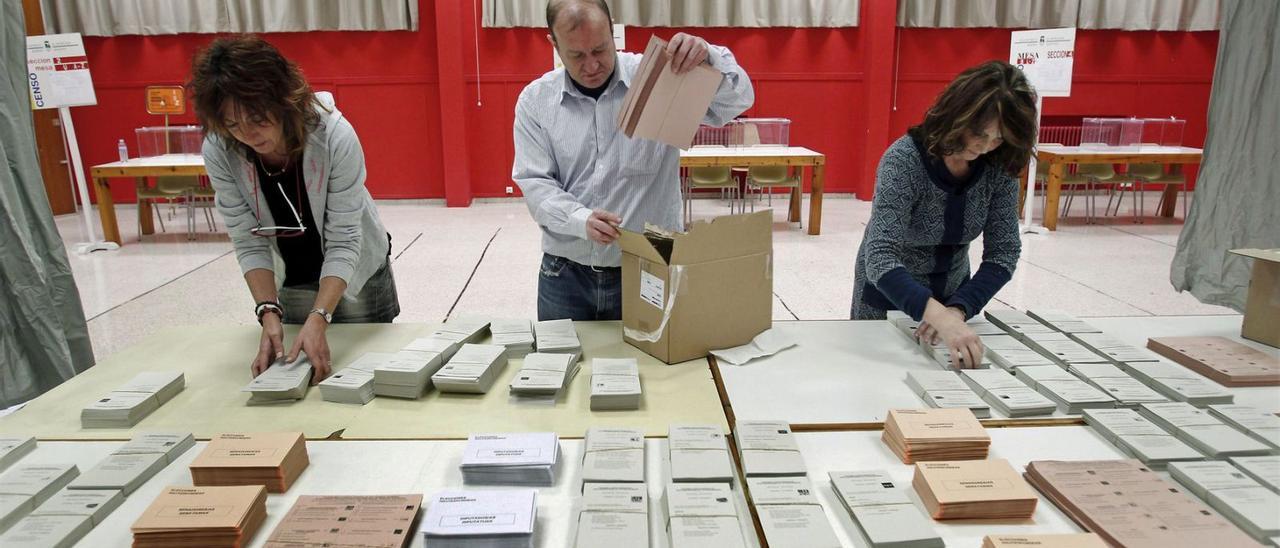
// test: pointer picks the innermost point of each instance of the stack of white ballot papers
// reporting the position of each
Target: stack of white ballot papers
(121, 472)
(557, 337)
(95, 505)
(460, 331)
(281, 382)
(133, 401)
(353, 383)
(701, 515)
(516, 335)
(1180, 383)
(613, 455)
(883, 511)
(472, 370)
(790, 513)
(1017, 323)
(1007, 394)
(405, 374)
(543, 376)
(768, 449)
(481, 519)
(171, 445)
(13, 449)
(1063, 350)
(37, 481)
(614, 515)
(1115, 350)
(1139, 438)
(698, 453)
(1128, 391)
(1238, 497)
(1010, 353)
(55, 531)
(1202, 430)
(1062, 322)
(946, 389)
(767, 343)
(615, 384)
(511, 459)
(1262, 425)
(1070, 393)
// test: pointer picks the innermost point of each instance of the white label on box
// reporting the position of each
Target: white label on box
(653, 289)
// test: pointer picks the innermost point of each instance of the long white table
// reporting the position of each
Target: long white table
(383, 467)
(848, 374)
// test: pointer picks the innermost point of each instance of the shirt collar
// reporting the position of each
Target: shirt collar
(620, 76)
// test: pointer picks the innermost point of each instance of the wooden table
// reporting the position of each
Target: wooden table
(140, 169)
(748, 156)
(1058, 156)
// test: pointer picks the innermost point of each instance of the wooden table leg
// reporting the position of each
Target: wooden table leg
(144, 211)
(1054, 188)
(815, 200)
(106, 210)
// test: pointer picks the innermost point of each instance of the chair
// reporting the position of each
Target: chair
(202, 197)
(169, 188)
(1154, 173)
(771, 177)
(1090, 175)
(709, 177)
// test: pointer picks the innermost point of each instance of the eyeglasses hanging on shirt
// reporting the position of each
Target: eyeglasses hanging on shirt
(279, 231)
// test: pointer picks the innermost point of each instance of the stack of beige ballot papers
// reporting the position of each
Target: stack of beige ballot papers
(614, 515)
(281, 382)
(1130, 506)
(935, 434)
(406, 374)
(1063, 540)
(557, 337)
(973, 489)
(383, 521)
(702, 515)
(613, 455)
(768, 449)
(790, 513)
(273, 459)
(699, 453)
(516, 335)
(130, 403)
(664, 106)
(543, 376)
(883, 511)
(472, 369)
(205, 517)
(615, 384)
(1226, 361)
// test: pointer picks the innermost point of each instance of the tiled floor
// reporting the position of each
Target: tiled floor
(483, 260)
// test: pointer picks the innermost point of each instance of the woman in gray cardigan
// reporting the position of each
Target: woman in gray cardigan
(940, 186)
(289, 178)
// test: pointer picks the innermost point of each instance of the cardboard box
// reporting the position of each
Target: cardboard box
(684, 295)
(1262, 310)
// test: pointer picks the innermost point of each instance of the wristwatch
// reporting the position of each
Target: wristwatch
(328, 316)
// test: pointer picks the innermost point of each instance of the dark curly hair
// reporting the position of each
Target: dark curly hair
(994, 90)
(260, 82)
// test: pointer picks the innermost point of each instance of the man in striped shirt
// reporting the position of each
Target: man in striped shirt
(582, 178)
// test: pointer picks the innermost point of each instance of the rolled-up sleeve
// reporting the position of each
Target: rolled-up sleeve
(735, 94)
(252, 252)
(535, 171)
(345, 203)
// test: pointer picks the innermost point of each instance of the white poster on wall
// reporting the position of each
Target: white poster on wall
(1045, 56)
(58, 72)
(619, 43)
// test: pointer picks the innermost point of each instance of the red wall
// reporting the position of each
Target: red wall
(388, 84)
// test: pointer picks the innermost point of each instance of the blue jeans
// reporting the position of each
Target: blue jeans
(377, 301)
(578, 292)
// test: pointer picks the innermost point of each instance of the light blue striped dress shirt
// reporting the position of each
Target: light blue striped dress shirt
(571, 158)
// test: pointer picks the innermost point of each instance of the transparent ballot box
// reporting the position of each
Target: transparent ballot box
(763, 131)
(160, 140)
(1115, 132)
(1163, 131)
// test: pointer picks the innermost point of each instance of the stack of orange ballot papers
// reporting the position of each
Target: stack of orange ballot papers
(935, 434)
(202, 517)
(273, 459)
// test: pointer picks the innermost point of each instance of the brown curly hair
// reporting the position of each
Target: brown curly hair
(994, 90)
(260, 82)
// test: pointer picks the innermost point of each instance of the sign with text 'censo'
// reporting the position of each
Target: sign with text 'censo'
(58, 72)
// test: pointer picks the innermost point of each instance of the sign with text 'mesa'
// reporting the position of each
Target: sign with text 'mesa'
(58, 72)
(1046, 57)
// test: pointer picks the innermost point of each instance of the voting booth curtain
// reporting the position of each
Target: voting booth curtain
(43, 336)
(117, 17)
(1236, 195)
(1179, 15)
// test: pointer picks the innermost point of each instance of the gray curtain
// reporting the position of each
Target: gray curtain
(1236, 194)
(118, 17)
(1085, 14)
(690, 13)
(43, 337)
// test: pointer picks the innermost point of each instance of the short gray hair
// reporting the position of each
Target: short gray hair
(554, 7)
